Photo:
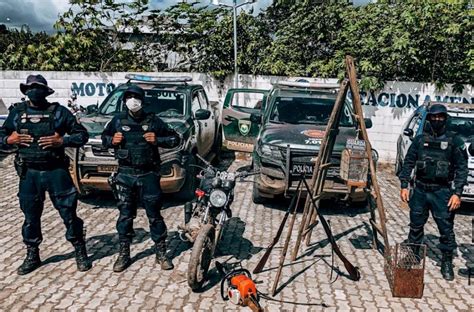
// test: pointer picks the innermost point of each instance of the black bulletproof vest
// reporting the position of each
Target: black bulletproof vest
(134, 150)
(434, 160)
(38, 124)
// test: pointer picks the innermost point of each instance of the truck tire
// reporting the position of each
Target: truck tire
(187, 191)
(256, 196)
(201, 257)
(74, 171)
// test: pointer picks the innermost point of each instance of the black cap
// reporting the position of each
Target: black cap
(436, 109)
(35, 80)
(134, 89)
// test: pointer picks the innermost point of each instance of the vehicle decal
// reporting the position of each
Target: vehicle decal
(313, 133)
(244, 127)
(313, 141)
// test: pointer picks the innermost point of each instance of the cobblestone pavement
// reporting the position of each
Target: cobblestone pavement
(57, 285)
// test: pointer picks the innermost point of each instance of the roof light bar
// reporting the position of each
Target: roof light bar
(312, 85)
(452, 107)
(146, 78)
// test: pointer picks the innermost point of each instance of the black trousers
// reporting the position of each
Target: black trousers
(437, 201)
(63, 194)
(135, 189)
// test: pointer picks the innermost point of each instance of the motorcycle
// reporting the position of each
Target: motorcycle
(205, 218)
(77, 110)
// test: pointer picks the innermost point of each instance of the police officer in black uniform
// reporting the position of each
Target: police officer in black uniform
(135, 135)
(41, 130)
(439, 158)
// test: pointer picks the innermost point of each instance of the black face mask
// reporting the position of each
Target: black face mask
(438, 125)
(38, 96)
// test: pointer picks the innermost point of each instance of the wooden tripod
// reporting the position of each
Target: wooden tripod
(316, 185)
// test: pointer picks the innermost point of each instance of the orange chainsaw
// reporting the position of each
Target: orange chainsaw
(238, 287)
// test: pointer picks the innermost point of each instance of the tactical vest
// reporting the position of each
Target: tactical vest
(434, 160)
(38, 124)
(134, 150)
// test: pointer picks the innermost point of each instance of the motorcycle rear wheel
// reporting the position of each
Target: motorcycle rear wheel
(201, 257)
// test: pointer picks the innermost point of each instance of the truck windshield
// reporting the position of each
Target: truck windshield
(164, 103)
(463, 126)
(307, 110)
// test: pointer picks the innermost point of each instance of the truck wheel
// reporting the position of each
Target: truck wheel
(74, 172)
(256, 197)
(201, 257)
(189, 186)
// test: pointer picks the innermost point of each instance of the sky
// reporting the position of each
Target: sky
(40, 15)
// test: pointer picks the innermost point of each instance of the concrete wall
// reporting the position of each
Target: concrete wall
(388, 108)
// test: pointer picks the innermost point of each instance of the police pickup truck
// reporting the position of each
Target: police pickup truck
(292, 128)
(184, 106)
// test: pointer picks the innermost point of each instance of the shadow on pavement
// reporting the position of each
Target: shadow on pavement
(466, 209)
(467, 254)
(327, 206)
(232, 244)
(101, 246)
(175, 246)
(99, 200)
(323, 243)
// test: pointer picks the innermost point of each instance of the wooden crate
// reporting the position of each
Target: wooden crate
(354, 164)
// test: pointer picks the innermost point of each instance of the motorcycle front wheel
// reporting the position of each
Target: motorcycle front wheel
(201, 257)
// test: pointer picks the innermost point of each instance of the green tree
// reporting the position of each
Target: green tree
(92, 34)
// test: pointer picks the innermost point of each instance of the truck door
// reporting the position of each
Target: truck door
(405, 142)
(210, 123)
(239, 132)
(199, 124)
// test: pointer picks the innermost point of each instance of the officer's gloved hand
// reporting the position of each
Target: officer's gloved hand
(471, 148)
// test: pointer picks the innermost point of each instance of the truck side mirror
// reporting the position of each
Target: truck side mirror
(91, 109)
(408, 132)
(202, 114)
(256, 118)
(368, 123)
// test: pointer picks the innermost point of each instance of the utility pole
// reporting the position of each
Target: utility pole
(234, 7)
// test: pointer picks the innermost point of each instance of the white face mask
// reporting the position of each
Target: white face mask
(133, 104)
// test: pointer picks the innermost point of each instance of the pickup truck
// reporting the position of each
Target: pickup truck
(184, 106)
(292, 127)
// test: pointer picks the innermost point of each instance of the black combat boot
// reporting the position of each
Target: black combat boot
(123, 261)
(162, 257)
(82, 260)
(31, 262)
(447, 266)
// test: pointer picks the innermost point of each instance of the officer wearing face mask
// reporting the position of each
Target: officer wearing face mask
(41, 130)
(135, 136)
(439, 159)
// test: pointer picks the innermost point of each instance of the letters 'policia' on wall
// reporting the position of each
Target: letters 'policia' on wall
(388, 108)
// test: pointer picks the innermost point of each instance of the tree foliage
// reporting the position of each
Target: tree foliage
(412, 40)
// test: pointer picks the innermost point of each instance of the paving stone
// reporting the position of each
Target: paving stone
(144, 286)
